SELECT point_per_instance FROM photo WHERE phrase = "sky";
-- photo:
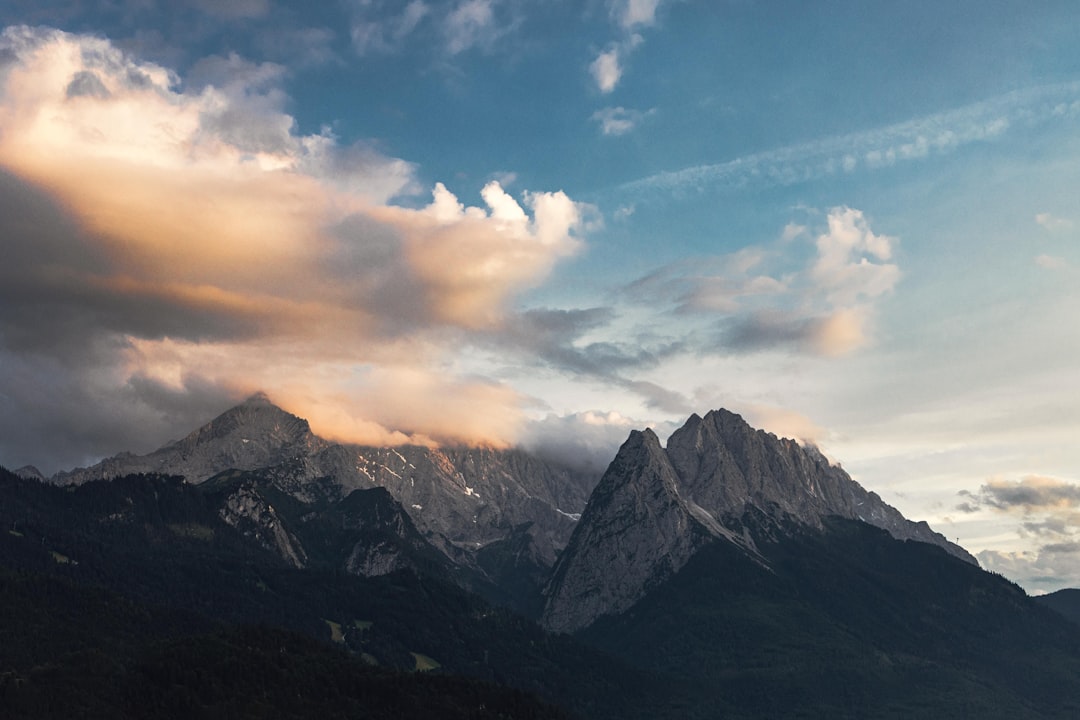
(546, 223)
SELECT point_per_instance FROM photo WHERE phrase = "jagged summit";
(252, 435)
(256, 419)
(718, 479)
(504, 510)
(29, 472)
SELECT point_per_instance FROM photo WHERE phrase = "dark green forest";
(132, 598)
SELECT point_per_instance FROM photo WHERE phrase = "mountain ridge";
(718, 480)
(464, 501)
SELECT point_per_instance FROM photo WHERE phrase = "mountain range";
(729, 574)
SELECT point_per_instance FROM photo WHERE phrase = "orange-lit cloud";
(213, 245)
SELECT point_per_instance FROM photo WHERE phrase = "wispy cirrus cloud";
(615, 121)
(908, 141)
(382, 27)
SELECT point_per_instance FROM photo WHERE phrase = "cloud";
(845, 269)
(634, 13)
(386, 27)
(606, 70)
(166, 240)
(784, 423)
(1050, 511)
(472, 23)
(1029, 494)
(1049, 568)
(1053, 223)
(615, 121)
(1052, 262)
(830, 335)
(374, 30)
(757, 301)
(908, 141)
(585, 440)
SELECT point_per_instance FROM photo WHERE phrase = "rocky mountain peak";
(254, 434)
(636, 531)
(256, 416)
(717, 478)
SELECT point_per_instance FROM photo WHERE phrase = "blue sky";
(547, 223)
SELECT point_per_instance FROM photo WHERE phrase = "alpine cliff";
(718, 480)
(729, 574)
(502, 514)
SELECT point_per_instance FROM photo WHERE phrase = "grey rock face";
(253, 435)
(654, 508)
(461, 499)
(726, 466)
(29, 472)
(249, 512)
(636, 531)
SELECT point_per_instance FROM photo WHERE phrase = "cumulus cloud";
(1050, 568)
(472, 23)
(634, 13)
(168, 240)
(1048, 514)
(608, 65)
(1029, 493)
(845, 269)
(757, 301)
(606, 69)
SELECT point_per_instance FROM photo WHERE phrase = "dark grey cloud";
(551, 337)
(87, 84)
(1065, 548)
(62, 337)
(659, 397)
(1030, 493)
(57, 414)
(1052, 526)
(58, 288)
(967, 507)
(765, 331)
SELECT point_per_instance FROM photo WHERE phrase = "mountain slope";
(252, 435)
(847, 622)
(501, 513)
(112, 568)
(1064, 602)
(654, 507)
